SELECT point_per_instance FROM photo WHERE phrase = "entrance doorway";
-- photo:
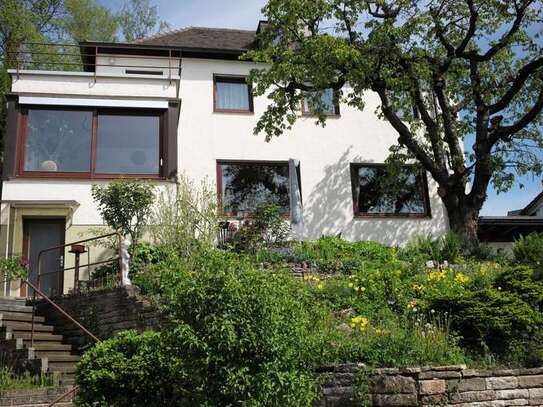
(40, 234)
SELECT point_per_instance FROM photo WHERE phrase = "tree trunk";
(463, 218)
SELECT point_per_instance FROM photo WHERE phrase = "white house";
(179, 102)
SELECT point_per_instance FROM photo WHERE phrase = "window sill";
(227, 111)
(87, 177)
(367, 216)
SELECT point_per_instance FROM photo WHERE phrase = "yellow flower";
(360, 322)
(351, 285)
(437, 276)
(461, 278)
(320, 286)
(418, 287)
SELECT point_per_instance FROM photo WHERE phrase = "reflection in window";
(127, 144)
(58, 140)
(373, 196)
(232, 94)
(320, 101)
(245, 185)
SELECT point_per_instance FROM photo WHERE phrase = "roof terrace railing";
(79, 58)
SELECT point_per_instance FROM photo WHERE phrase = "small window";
(232, 94)
(320, 101)
(244, 185)
(372, 197)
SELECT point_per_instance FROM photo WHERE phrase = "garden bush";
(529, 250)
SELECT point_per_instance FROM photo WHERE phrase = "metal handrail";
(23, 57)
(76, 281)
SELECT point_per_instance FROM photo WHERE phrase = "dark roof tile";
(201, 37)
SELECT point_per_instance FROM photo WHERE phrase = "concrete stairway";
(47, 355)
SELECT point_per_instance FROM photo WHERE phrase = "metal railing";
(60, 272)
(73, 57)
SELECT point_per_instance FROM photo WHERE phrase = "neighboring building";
(501, 231)
(178, 103)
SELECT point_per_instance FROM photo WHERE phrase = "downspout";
(7, 247)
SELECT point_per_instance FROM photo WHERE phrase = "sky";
(245, 14)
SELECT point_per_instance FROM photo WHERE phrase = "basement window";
(374, 198)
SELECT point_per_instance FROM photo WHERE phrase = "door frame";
(26, 244)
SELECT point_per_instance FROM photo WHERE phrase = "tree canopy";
(445, 72)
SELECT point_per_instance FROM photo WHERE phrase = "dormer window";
(321, 101)
(232, 94)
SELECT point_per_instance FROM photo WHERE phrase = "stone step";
(26, 326)
(62, 367)
(58, 357)
(20, 316)
(38, 336)
(12, 300)
(49, 346)
(15, 308)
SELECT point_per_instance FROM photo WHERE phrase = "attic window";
(142, 72)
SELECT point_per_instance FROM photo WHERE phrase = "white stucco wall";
(324, 154)
(204, 137)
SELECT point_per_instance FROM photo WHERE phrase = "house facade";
(179, 103)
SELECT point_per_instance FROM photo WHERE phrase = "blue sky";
(245, 14)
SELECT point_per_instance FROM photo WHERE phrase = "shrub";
(125, 206)
(267, 228)
(529, 250)
(185, 217)
(129, 370)
(446, 248)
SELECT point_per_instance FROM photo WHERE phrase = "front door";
(41, 234)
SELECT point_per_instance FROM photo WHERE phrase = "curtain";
(232, 96)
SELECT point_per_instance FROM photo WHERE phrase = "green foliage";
(447, 248)
(13, 267)
(125, 206)
(529, 250)
(185, 218)
(9, 380)
(130, 370)
(139, 19)
(266, 228)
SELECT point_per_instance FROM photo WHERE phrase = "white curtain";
(233, 96)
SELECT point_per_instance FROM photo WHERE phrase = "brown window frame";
(422, 177)
(337, 110)
(232, 79)
(91, 174)
(219, 175)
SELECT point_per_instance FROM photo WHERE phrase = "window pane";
(322, 101)
(244, 186)
(127, 144)
(58, 141)
(232, 95)
(374, 196)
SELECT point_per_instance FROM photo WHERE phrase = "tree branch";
(517, 85)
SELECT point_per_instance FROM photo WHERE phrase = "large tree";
(446, 72)
(139, 19)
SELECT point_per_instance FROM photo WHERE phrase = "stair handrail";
(73, 320)
(59, 309)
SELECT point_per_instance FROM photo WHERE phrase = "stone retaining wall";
(103, 313)
(35, 397)
(455, 386)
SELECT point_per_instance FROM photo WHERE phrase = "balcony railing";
(94, 58)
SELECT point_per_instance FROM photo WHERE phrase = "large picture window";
(90, 142)
(244, 185)
(408, 197)
(232, 94)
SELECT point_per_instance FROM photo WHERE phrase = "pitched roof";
(203, 37)
(533, 205)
